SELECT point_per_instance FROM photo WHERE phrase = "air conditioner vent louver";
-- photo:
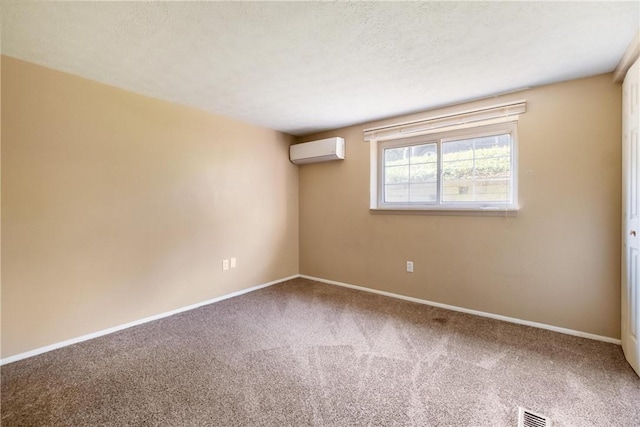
(527, 418)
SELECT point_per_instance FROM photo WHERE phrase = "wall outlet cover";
(410, 266)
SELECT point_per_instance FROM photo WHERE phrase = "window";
(464, 169)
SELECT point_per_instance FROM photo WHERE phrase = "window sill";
(445, 211)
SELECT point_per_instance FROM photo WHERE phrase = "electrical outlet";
(233, 263)
(409, 266)
(225, 264)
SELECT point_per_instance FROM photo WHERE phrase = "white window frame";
(388, 137)
(438, 139)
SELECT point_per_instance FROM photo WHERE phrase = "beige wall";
(117, 206)
(557, 262)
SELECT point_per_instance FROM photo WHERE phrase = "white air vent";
(527, 418)
(322, 150)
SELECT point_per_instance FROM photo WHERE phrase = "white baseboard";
(76, 340)
(469, 311)
(97, 334)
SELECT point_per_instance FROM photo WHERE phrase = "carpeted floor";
(304, 353)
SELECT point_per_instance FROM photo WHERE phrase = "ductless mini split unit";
(322, 150)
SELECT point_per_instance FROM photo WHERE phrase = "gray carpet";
(304, 353)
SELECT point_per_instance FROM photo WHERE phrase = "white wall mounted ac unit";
(322, 150)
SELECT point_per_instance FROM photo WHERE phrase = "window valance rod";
(490, 114)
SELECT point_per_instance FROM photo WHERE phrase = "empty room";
(320, 213)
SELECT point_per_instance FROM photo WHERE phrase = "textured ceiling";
(302, 67)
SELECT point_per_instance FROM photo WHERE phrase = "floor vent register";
(527, 418)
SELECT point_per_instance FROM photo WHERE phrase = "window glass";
(477, 169)
(411, 174)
